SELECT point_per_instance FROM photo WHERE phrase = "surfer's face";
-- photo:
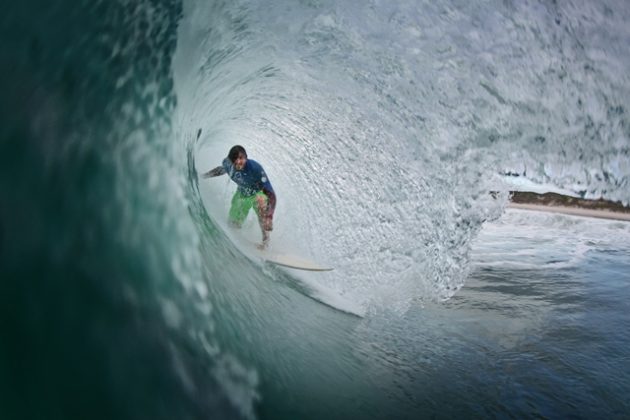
(239, 163)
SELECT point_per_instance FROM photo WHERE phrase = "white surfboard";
(278, 257)
(292, 261)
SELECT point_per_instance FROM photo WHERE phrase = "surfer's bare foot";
(265, 242)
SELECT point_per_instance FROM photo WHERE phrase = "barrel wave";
(390, 131)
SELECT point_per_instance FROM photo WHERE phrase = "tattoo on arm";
(219, 170)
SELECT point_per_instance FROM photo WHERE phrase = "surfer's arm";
(219, 170)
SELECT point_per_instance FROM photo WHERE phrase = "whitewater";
(383, 128)
(392, 133)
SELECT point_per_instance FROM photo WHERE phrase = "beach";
(558, 203)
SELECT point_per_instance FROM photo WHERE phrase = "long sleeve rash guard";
(251, 179)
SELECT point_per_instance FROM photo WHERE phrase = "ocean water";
(383, 127)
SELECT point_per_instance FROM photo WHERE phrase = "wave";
(382, 126)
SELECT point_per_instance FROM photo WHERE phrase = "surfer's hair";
(235, 151)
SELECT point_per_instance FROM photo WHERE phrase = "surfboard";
(283, 259)
(292, 261)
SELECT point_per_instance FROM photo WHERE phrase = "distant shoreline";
(558, 203)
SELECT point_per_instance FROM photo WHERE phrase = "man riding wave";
(254, 190)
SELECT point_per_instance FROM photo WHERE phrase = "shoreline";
(557, 203)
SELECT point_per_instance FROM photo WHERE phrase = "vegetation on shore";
(559, 200)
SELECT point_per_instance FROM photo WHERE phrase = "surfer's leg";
(239, 209)
(260, 208)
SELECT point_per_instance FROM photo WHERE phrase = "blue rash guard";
(251, 179)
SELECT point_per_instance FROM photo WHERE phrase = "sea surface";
(383, 127)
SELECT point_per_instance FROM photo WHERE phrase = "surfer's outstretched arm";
(219, 170)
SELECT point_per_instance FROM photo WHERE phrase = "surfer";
(254, 190)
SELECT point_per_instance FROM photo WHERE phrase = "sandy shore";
(573, 211)
(556, 203)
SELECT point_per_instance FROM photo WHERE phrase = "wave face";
(383, 126)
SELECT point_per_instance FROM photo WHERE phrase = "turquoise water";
(383, 126)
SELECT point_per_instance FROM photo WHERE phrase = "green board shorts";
(241, 205)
